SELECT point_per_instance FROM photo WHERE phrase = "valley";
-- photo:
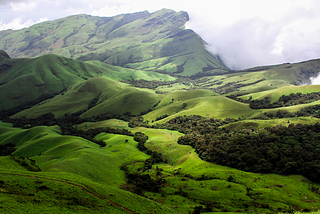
(131, 114)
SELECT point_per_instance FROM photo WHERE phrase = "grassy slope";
(23, 80)
(140, 40)
(272, 78)
(128, 100)
(112, 97)
(76, 161)
(184, 160)
(82, 162)
(76, 98)
(260, 124)
(118, 98)
(217, 106)
(275, 94)
(56, 153)
(64, 193)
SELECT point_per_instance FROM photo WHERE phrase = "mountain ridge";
(145, 41)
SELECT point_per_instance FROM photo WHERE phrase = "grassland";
(182, 188)
(69, 165)
(275, 94)
(79, 176)
(190, 181)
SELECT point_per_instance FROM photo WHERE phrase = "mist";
(286, 35)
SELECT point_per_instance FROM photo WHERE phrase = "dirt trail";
(87, 191)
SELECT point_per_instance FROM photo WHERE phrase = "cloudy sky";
(244, 33)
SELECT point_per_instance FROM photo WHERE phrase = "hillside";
(24, 79)
(131, 114)
(143, 41)
(190, 182)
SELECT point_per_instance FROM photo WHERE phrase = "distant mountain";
(145, 41)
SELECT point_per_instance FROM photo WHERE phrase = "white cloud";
(18, 23)
(266, 32)
(23, 6)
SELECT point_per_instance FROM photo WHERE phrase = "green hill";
(144, 41)
(65, 162)
(95, 96)
(275, 94)
(216, 107)
(151, 71)
(23, 80)
(71, 165)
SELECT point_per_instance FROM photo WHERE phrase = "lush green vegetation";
(281, 150)
(172, 174)
(142, 41)
(147, 121)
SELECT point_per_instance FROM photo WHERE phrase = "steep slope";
(23, 80)
(96, 96)
(156, 41)
(3, 56)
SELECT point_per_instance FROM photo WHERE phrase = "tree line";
(282, 150)
(67, 124)
(283, 101)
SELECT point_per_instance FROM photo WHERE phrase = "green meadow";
(70, 162)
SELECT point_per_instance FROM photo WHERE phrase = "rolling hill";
(24, 79)
(194, 136)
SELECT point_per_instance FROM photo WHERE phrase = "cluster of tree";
(91, 133)
(144, 182)
(141, 181)
(67, 123)
(237, 98)
(162, 117)
(7, 149)
(155, 84)
(156, 157)
(313, 111)
(285, 100)
(74, 119)
(234, 86)
(94, 102)
(186, 124)
(141, 138)
(28, 163)
(282, 150)
(28, 104)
